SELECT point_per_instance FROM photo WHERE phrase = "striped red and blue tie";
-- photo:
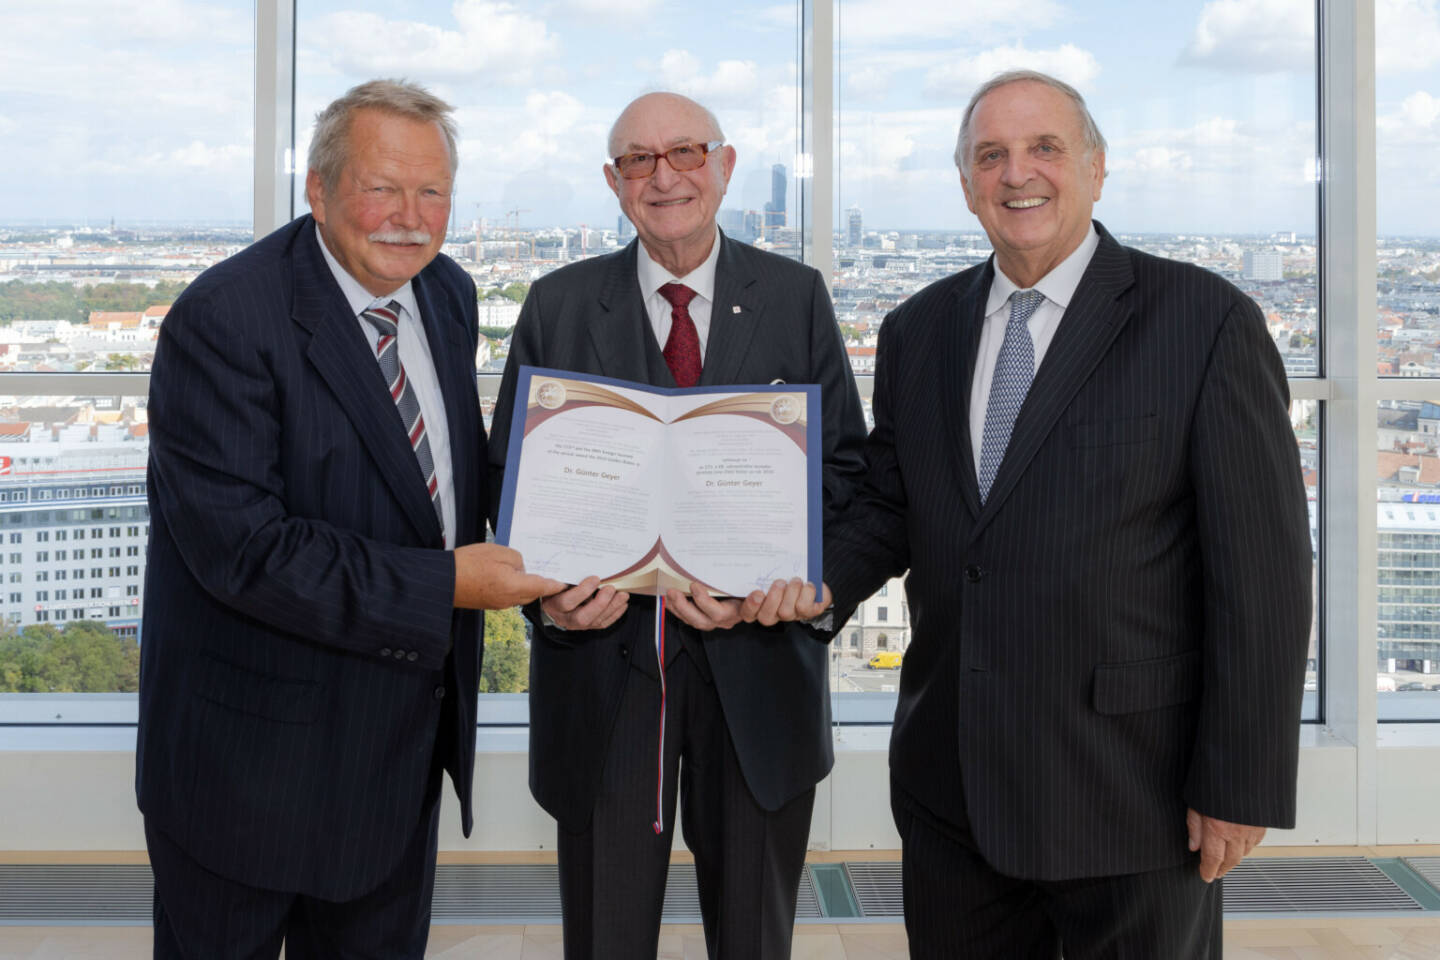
(384, 320)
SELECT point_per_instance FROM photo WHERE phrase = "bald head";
(673, 209)
(663, 107)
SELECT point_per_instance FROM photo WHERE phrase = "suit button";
(384, 651)
(439, 693)
(399, 654)
(412, 656)
(624, 651)
(974, 572)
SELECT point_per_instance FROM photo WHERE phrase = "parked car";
(1411, 685)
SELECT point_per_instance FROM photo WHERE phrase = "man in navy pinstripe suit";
(1082, 455)
(312, 636)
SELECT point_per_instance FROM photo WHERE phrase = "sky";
(144, 111)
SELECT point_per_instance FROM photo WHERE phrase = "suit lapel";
(455, 370)
(341, 356)
(622, 322)
(1089, 326)
(960, 341)
(735, 315)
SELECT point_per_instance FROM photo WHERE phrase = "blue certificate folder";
(591, 471)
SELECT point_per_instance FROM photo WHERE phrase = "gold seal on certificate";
(550, 395)
(785, 409)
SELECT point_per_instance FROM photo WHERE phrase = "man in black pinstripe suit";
(1109, 569)
(312, 636)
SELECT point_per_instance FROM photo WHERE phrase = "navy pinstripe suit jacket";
(300, 654)
(1120, 631)
(590, 317)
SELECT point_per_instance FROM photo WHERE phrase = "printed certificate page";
(651, 488)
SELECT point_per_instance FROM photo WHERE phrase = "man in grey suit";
(747, 715)
(1082, 455)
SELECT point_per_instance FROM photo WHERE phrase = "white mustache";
(422, 237)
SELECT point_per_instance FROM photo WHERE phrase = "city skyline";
(1210, 122)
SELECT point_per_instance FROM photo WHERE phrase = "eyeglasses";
(687, 156)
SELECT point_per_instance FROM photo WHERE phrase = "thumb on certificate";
(489, 576)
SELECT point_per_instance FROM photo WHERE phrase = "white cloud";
(159, 23)
(881, 21)
(1255, 36)
(867, 83)
(200, 156)
(7, 126)
(956, 81)
(731, 82)
(1407, 35)
(1162, 159)
(1416, 121)
(1421, 109)
(612, 9)
(1217, 150)
(494, 39)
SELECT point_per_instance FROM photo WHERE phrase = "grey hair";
(330, 145)
(704, 111)
(1089, 130)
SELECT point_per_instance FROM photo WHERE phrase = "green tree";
(507, 653)
(121, 361)
(85, 657)
(515, 291)
(495, 333)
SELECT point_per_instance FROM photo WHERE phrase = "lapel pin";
(735, 308)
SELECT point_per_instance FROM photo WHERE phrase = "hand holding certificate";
(653, 488)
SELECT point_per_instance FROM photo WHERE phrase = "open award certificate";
(651, 488)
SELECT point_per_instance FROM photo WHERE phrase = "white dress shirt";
(1058, 286)
(701, 280)
(414, 352)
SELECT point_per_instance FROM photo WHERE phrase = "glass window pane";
(127, 132)
(535, 97)
(72, 487)
(1407, 630)
(1210, 124)
(1407, 125)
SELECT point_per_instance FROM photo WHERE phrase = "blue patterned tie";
(1014, 369)
(384, 320)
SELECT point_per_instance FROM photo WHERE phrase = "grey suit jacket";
(1120, 631)
(589, 317)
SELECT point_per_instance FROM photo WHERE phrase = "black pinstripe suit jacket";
(590, 317)
(300, 652)
(1120, 631)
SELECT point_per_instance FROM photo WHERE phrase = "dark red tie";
(682, 347)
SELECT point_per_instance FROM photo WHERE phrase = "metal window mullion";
(274, 113)
(819, 81)
(1346, 38)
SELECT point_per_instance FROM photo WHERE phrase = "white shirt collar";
(1058, 285)
(701, 279)
(356, 295)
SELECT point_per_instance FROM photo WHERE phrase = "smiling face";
(384, 220)
(673, 211)
(1032, 180)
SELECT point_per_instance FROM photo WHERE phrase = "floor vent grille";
(496, 893)
(1313, 885)
(529, 893)
(75, 893)
(1427, 867)
(877, 888)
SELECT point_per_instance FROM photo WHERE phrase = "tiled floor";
(1245, 939)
